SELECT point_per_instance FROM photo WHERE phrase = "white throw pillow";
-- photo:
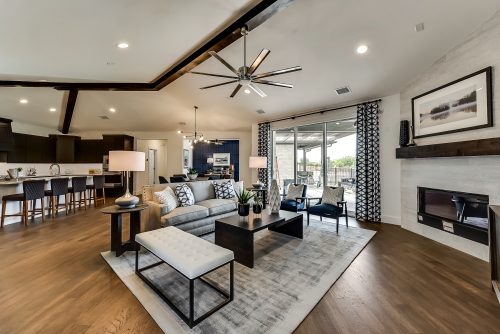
(184, 194)
(224, 190)
(332, 196)
(167, 197)
(238, 187)
(294, 191)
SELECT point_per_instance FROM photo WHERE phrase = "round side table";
(116, 212)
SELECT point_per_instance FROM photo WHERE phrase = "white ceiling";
(319, 35)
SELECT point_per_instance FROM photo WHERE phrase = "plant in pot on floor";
(192, 174)
(244, 198)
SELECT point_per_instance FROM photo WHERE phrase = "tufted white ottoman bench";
(192, 257)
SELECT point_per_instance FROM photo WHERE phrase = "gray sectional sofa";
(197, 219)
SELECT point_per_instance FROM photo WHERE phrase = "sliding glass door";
(317, 155)
(283, 153)
(310, 158)
(341, 158)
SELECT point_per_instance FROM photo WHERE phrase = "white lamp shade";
(210, 160)
(257, 162)
(123, 161)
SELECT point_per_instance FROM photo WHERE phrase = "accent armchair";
(296, 204)
(328, 210)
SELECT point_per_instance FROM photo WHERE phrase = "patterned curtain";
(367, 163)
(264, 150)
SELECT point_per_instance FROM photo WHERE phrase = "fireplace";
(463, 214)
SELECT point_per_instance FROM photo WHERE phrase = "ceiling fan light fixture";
(247, 91)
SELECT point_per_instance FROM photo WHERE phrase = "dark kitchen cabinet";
(89, 151)
(117, 143)
(31, 149)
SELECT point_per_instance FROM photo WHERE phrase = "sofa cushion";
(184, 194)
(218, 206)
(185, 214)
(166, 197)
(224, 190)
(202, 190)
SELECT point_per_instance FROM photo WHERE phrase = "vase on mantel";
(274, 197)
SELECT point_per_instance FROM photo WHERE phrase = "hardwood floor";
(53, 280)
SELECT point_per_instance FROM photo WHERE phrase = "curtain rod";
(319, 112)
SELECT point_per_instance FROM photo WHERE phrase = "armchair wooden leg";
(307, 218)
(337, 224)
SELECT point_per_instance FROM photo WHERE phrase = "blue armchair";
(328, 210)
(297, 204)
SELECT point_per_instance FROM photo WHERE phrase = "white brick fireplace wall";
(471, 174)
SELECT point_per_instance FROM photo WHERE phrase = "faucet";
(58, 169)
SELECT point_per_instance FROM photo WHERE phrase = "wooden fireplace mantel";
(478, 147)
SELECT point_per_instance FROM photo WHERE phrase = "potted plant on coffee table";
(257, 205)
(244, 198)
(192, 174)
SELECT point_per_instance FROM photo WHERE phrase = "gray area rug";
(289, 278)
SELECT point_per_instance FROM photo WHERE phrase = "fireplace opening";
(463, 214)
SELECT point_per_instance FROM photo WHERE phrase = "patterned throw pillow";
(167, 197)
(294, 191)
(184, 194)
(224, 190)
(332, 196)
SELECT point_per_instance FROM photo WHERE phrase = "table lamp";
(127, 161)
(256, 163)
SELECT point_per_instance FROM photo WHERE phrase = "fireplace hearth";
(459, 213)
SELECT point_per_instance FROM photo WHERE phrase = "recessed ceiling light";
(247, 91)
(112, 110)
(362, 49)
(179, 131)
(52, 109)
(23, 101)
(122, 45)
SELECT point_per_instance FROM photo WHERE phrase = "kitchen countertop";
(36, 177)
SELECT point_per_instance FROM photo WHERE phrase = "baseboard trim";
(393, 220)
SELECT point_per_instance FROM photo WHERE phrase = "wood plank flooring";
(53, 280)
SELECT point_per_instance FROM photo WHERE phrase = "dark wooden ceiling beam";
(68, 114)
(127, 86)
(252, 19)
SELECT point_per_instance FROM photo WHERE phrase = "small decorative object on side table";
(244, 198)
(116, 226)
(127, 161)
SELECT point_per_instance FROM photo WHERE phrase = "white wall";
(468, 174)
(390, 167)
(143, 145)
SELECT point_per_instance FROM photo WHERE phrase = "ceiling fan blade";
(278, 72)
(257, 90)
(273, 83)
(225, 63)
(260, 58)
(214, 75)
(221, 84)
(235, 91)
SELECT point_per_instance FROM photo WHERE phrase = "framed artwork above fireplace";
(464, 104)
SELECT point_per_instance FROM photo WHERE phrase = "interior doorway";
(151, 166)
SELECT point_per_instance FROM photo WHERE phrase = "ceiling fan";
(245, 76)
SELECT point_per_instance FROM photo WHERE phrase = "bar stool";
(32, 190)
(58, 187)
(78, 186)
(98, 185)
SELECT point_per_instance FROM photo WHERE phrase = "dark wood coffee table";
(236, 233)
